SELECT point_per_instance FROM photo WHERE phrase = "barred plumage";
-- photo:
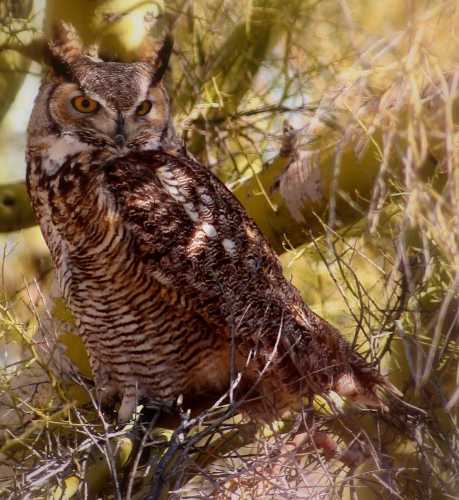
(173, 287)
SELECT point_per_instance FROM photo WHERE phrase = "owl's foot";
(106, 400)
(151, 409)
(128, 407)
(153, 405)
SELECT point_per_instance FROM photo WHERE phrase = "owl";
(175, 292)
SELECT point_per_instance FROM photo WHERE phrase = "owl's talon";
(128, 409)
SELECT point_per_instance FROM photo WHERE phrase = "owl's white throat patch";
(58, 149)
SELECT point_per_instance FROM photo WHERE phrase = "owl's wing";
(195, 238)
(192, 233)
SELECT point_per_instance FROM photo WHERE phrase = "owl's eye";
(84, 104)
(143, 108)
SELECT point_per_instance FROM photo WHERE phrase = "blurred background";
(335, 123)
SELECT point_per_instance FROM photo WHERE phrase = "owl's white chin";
(151, 144)
(135, 146)
(59, 149)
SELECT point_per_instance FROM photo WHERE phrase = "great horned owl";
(174, 289)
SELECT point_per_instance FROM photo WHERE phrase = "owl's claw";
(128, 408)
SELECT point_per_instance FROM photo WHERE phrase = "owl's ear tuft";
(65, 48)
(157, 57)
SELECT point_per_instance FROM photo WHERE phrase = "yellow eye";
(84, 104)
(143, 108)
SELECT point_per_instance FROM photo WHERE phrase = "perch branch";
(15, 209)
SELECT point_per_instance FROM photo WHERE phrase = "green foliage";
(15, 209)
(13, 65)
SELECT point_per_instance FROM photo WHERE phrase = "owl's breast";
(138, 332)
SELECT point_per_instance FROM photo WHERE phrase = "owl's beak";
(120, 136)
(120, 140)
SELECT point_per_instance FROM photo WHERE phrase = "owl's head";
(86, 102)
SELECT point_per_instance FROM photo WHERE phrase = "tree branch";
(15, 209)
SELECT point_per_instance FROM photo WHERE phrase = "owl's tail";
(326, 361)
(366, 386)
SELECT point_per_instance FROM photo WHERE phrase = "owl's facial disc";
(112, 105)
(87, 104)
